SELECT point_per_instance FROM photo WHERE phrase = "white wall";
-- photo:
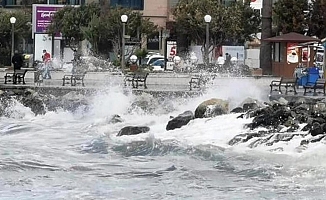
(252, 58)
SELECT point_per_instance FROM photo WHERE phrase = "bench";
(289, 84)
(139, 79)
(78, 79)
(73, 79)
(16, 76)
(317, 87)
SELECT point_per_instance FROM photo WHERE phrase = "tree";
(103, 31)
(233, 24)
(289, 16)
(265, 55)
(108, 30)
(317, 19)
(70, 21)
(22, 30)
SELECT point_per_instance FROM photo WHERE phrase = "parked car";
(152, 58)
(158, 65)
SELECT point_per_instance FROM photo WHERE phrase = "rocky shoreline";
(40, 103)
(280, 119)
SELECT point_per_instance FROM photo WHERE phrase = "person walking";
(18, 61)
(46, 62)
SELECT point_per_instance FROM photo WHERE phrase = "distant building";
(28, 3)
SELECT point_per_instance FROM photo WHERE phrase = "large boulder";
(211, 108)
(180, 120)
(133, 130)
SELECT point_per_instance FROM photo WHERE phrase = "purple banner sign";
(44, 16)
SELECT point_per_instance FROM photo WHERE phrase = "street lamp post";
(124, 19)
(12, 21)
(207, 19)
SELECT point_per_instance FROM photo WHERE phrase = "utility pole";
(266, 32)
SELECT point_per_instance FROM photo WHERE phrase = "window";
(10, 2)
(228, 2)
(132, 4)
(64, 2)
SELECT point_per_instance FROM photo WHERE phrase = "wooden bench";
(317, 87)
(289, 84)
(78, 79)
(73, 79)
(139, 79)
(18, 76)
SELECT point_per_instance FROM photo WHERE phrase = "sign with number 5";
(171, 49)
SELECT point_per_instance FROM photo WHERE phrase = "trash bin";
(313, 74)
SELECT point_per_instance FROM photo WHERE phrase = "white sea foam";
(43, 156)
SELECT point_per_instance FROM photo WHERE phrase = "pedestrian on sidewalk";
(46, 64)
(18, 61)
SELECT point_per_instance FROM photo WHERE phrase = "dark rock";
(249, 106)
(180, 120)
(133, 130)
(237, 110)
(316, 129)
(246, 137)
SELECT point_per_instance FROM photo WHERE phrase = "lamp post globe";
(12, 20)
(176, 60)
(133, 58)
(208, 18)
(124, 18)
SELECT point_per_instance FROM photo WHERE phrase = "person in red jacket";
(46, 60)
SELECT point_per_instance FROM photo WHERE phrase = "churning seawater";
(64, 155)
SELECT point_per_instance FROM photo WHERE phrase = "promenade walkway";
(176, 83)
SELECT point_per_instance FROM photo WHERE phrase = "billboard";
(42, 17)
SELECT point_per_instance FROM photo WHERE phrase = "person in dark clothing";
(227, 60)
(17, 60)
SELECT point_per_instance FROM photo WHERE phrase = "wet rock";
(211, 108)
(249, 106)
(242, 138)
(316, 129)
(133, 130)
(180, 120)
(237, 110)
(35, 104)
